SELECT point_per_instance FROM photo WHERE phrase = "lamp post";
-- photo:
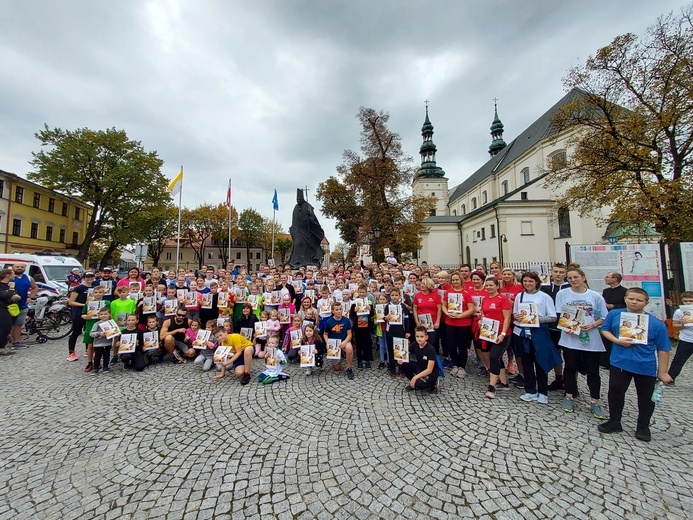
(373, 236)
(502, 239)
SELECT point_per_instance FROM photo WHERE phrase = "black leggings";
(591, 361)
(363, 343)
(410, 372)
(534, 382)
(497, 351)
(6, 321)
(101, 353)
(76, 332)
(619, 381)
(458, 341)
(683, 352)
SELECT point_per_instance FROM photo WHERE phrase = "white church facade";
(502, 211)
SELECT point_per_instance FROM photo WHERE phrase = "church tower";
(430, 178)
(496, 133)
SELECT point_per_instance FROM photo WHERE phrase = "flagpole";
(180, 202)
(229, 204)
(274, 226)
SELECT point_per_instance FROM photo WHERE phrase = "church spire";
(496, 132)
(428, 152)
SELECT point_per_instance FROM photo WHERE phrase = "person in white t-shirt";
(586, 345)
(683, 321)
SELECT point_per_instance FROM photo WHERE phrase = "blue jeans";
(382, 343)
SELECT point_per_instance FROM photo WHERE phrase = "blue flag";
(275, 202)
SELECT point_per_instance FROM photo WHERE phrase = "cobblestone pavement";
(172, 443)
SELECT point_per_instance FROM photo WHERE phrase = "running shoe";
(245, 379)
(482, 372)
(502, 386)
(491, 392)
(461, 372)
(349, 374)
(529, 397)
(568, 404)
(610, 427)
(543, 399)
(72, 357)
(597, 411)
(89, 367)
(556, 384)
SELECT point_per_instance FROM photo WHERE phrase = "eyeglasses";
(181, 315)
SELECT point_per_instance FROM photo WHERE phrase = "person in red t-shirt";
(427, 302)
(458, 309)
(497, 307)
(510, 289)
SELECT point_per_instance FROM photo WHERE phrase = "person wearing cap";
(26, 288)
(77, 301)
(74, 277)
(109, 283)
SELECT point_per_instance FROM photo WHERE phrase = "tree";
(373, 190)
(282, 247)
(160, 232)
(197, 226)
(633, 131)
(341, 252)
(104, 169)
(270, 225)
(250, 225)
(220, 225)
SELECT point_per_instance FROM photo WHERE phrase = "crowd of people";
(420, 321)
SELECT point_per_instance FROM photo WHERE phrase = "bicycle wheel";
(56, 326)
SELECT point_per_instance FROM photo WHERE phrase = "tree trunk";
(107, 255)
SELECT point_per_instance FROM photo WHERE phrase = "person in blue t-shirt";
(631, 360)
(339, 327)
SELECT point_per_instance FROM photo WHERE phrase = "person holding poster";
(683, 321)
(631, 361)
(499, 308)
(586, 345)
(339, 327)
(423, 371)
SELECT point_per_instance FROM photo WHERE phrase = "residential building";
(503, 211)
(36, 219)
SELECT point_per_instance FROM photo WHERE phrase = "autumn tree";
(282, 246)
(103, 168)
(633, 131)
(270, 226)
(160, 232)
(372, 189)
(197, 226)
(250, 229)
(220, 229)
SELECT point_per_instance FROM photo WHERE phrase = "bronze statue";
(306, 234)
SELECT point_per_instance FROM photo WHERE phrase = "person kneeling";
(274, 360)
(422, 372)
(241, 354)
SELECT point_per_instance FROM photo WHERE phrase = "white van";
(49, 270)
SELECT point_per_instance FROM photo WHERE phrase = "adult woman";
(534, 342)
(586, 345)
(458, 309)
(497, 307)
(495, 269)
(510, 290)
(427, 302)
(134, 276)
(477, 293)
(7, 296)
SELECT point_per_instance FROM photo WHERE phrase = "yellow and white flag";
(175, 185)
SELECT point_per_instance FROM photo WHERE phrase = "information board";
(639, 264)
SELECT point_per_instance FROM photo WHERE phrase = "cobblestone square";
(172, 443)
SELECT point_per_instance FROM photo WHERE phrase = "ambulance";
(49, 270)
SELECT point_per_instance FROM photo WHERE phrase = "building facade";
(503, 211)
(35, 219)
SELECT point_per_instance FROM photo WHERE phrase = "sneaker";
(381, 365)
(672, 384)
(482, 372)
(6, 352)
(568, 404)
(359, 364)
(368, 364)
(245, 379)
(529, 397)
(349, 374)
(95, 372)
(114, 360)
(408, 388)
(19, 346)
(642, 433)
(392, 375)
(502, 386)
(178, 357)
(72, 357)
(89, 367)
(511, 368)
(556, 384)
(106, 369)
(597, 411)
(309, 372)
(519, 381)
(454, 370)
(461, 372)
(491, 392)
(543, 399)
(610, 427)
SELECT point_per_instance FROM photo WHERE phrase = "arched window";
(464, 209)
(454, 212)
(525, 176)
(557, 160)
(504, 187)
(473, 202)
(484, 197)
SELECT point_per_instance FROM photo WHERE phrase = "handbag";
(13, 309)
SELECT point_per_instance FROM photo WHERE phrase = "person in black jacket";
(361, 315)
(7, 297)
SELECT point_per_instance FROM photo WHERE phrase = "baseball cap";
(107, 270)
(89, 273)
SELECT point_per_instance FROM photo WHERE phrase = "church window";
(473, 202)
(525, 176)
(504, 187)
(563, 222)
(484, 197)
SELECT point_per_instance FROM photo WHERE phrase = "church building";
(502, 211)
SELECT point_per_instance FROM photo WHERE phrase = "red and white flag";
(228, 195)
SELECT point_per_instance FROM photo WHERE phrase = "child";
(362, 326)
(394, 330)
(324, 307)
(306, 306)
(273, 325)
(193, 305)
(260, 342)
(153, 355)
(142, 316)
(633, 361)
(286, 304)
(311, 337)
(134, 359)
(101, 345)
(422, 371)
(381, 334)
(273, 364)
(255, 299)
(288, 346)
(205, 357)
(120, 308)
(267, 297)
(683, 322)
(339, 327)
(211, 312)
(89, 316)
(241, 354)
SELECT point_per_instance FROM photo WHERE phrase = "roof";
(443, 219)
(534, 134)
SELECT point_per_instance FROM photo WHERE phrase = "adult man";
(173, 334)
(209, 275)
(615, 298)
(78, 298)
(108, 282)
(466, 273)
(26, 288)
(556, 284)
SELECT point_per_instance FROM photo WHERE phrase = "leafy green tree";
(373, 190)
(250, 229)
(102, 167)
(282, 246)
(197, 226)
(159, 232)
(220, 226)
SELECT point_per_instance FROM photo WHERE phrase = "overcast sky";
(266, 92)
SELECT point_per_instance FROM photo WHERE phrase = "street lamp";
(502, 239)
(373, 236)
